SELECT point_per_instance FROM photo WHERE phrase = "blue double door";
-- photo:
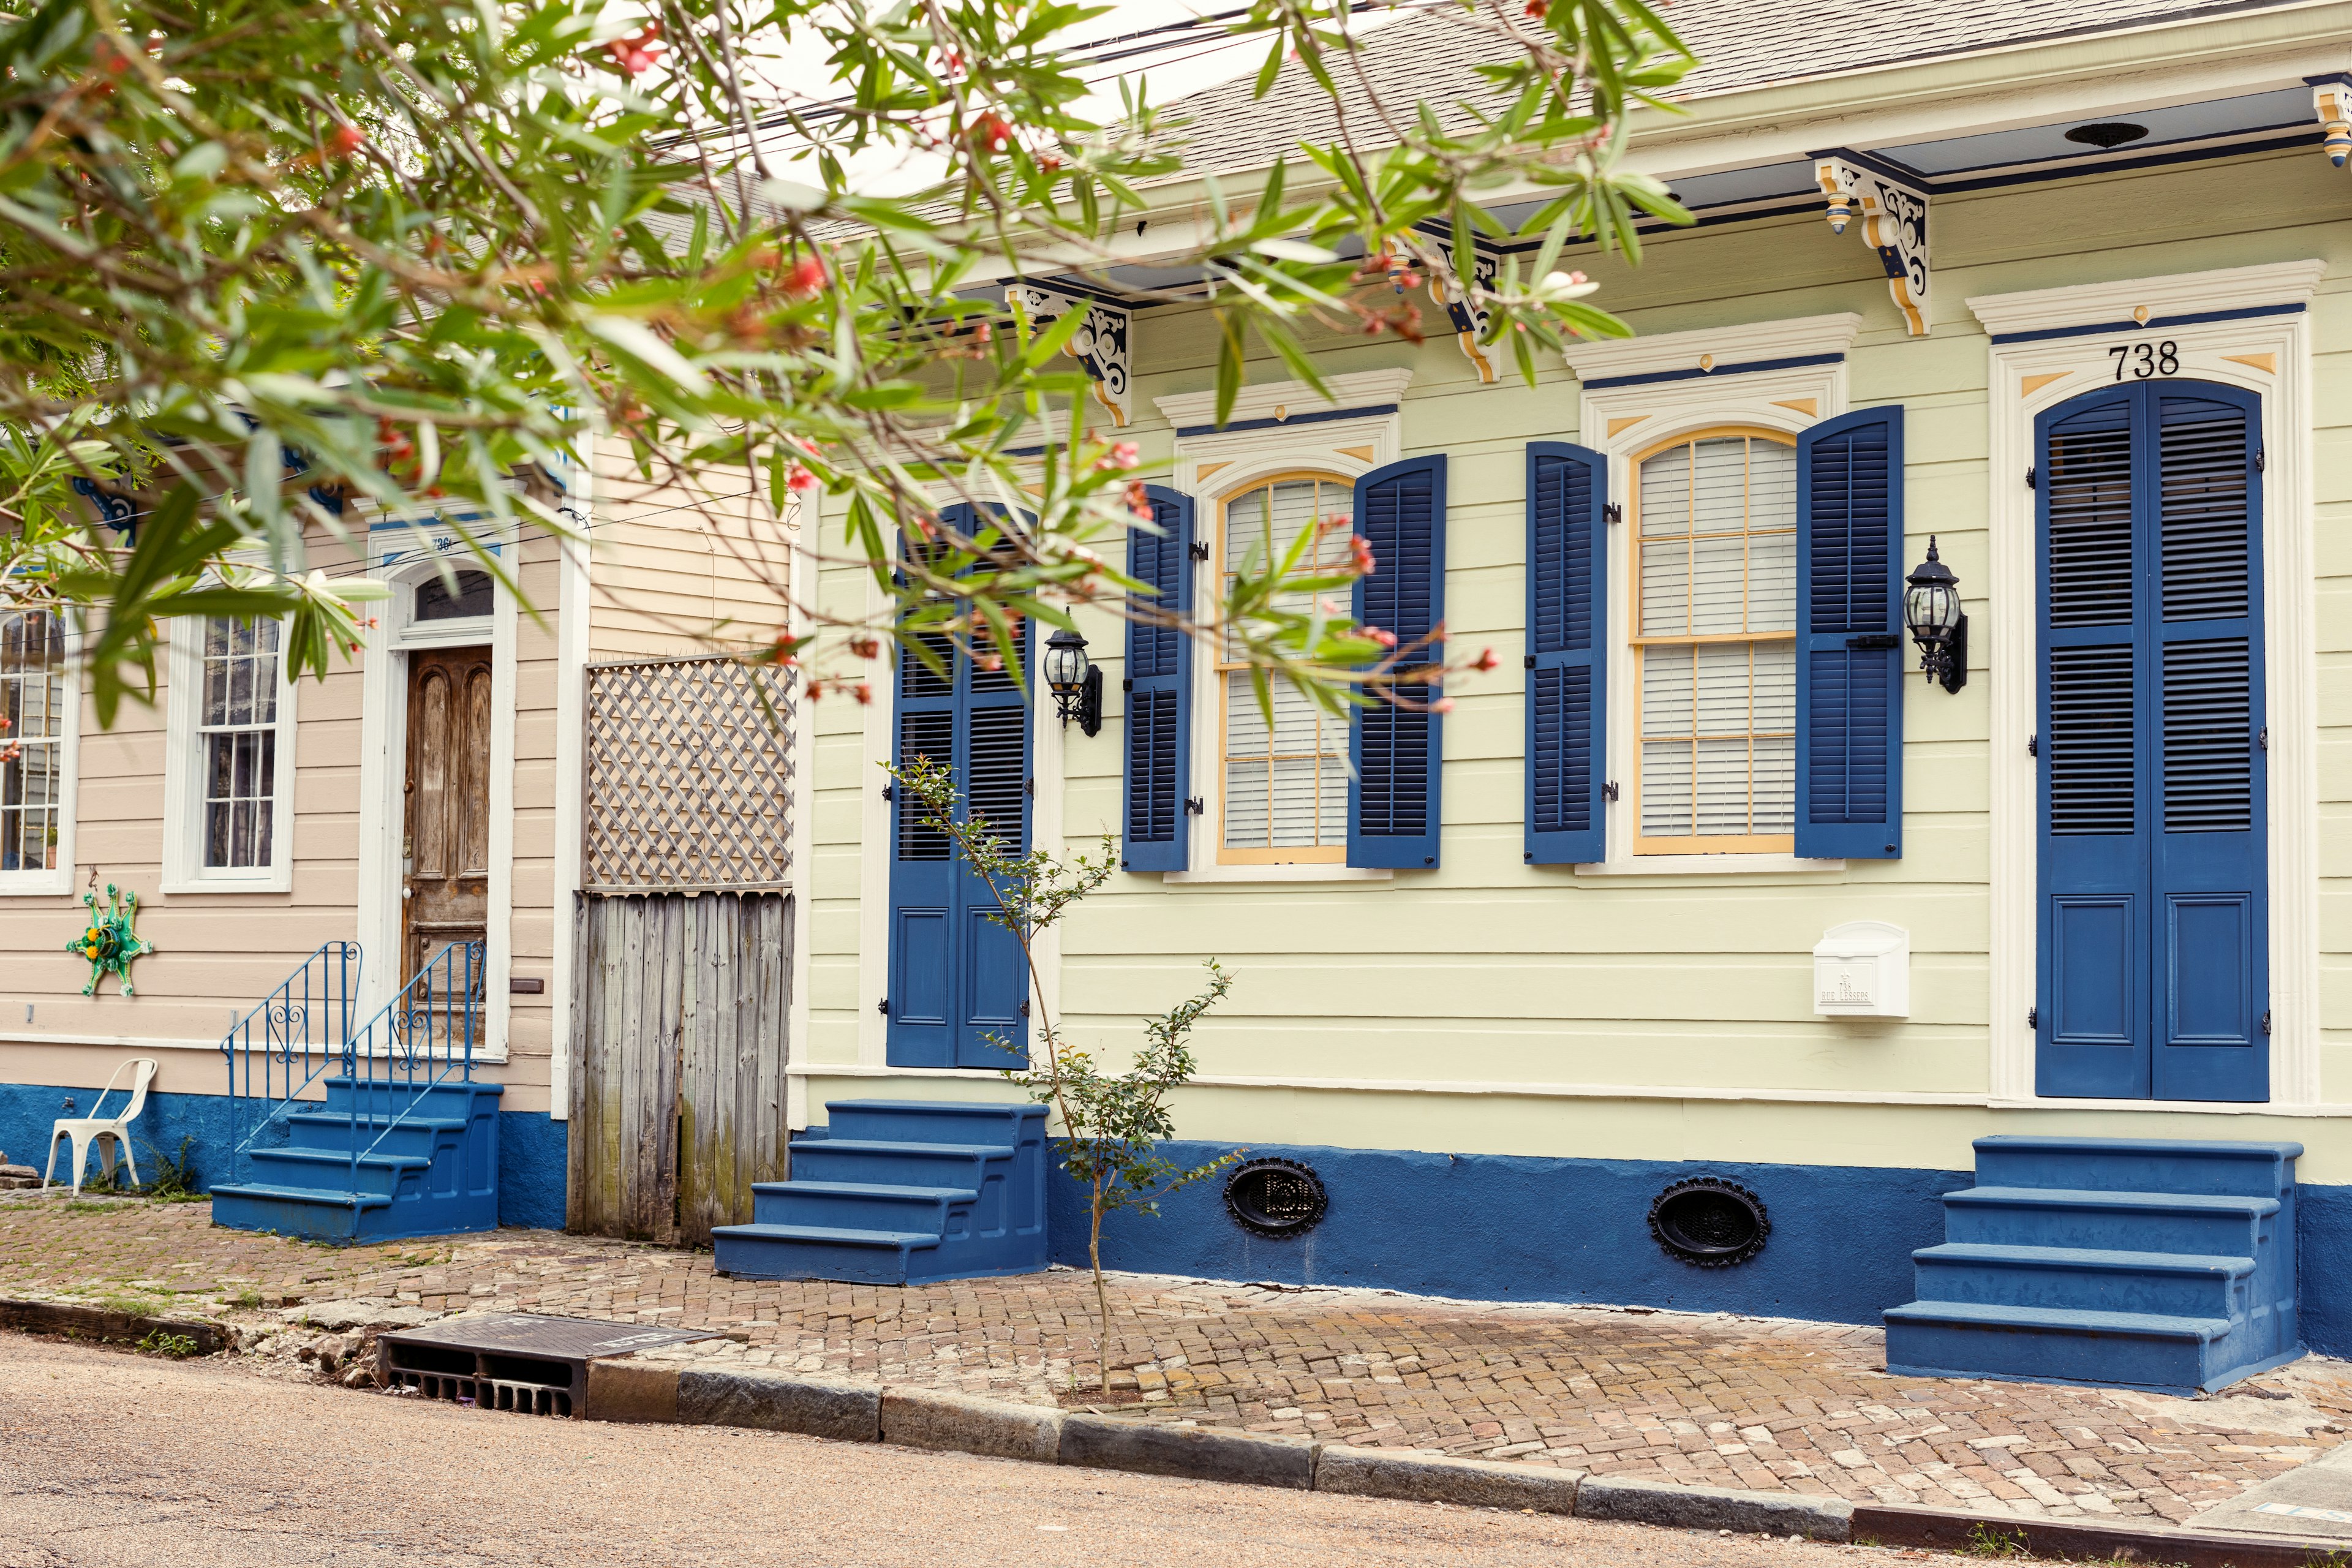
(2154, 976)
(957, 978)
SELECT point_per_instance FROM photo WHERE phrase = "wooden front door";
(444, 889)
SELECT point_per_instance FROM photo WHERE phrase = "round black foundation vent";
(1710, 1222)
(1276, 1197)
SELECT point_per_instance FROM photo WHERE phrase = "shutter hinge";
(2266, 1020)
(889, 792)
(1029, 788)
(2261, 461)
(1613, 511)
(1531, 661)
(2262, 739)
(883, 1006)
(1609, 790)
(1024, 1007)
(2033, 1017)
(1127, 683)
(1196, 805)
(2032, 745)
(1874, 639)
(1199, 550)
(2029, 479)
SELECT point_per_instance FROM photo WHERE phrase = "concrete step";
(929, 1122)
(858, 1205)
(2163, 1284)
(2182, 1165)
(2202, 1223)
(2136, 1350)
(816, 1252)
(892, 1162)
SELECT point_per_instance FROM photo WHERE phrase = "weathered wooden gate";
(682, 948)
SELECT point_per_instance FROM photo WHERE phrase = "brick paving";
(1769, 1405)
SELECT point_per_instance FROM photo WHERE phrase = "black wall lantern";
(1076, 683)
(1932, 610)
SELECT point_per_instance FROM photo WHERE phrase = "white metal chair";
(85, 1131)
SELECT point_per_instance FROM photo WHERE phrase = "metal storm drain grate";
(512, 1360)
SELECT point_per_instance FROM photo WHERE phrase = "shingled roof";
(1741, 44)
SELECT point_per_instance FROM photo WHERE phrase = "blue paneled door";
(957, 978)
(2154, 976)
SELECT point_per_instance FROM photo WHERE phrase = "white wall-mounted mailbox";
(1863, 970)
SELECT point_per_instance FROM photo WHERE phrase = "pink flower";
(635, 55)
(1126, 455)
(799, 478)
(808, 276)
(1485, 659)
(1442, 705)
(1385, 639)
(1363, 555)
(347, 139)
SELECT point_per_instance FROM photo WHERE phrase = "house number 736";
(2145, 360)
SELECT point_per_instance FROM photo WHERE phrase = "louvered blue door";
(2153, 941)
(956, 977)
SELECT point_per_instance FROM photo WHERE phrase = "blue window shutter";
(1392, 800)
(1849, 596)
(1160, 662)
(1568, 612)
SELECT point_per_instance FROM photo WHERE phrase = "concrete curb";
(1954, 1529)
(849, 1410)
(1195, 1453)
(959, 1423)
(1468, 1483)
(1709, 1508)
(103, 1323)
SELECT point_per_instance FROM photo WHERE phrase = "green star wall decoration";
(110, 943)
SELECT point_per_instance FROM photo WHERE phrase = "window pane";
(1771, 582)
(1245, 805)
(1719, 585)
(1776, 784)
(1665, 493)
(1666, 788)
(1667, 690)
(1665, 587)
(1719, 486)
(1280, 789)
(1723, 691)
(1723, 787)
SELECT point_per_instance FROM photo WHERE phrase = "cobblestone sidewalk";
(1754, 1403)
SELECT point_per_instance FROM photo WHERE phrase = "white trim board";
(184, 871)
(1708, 349)
(573, 602)
(1509, 1089)
(2064, 367)
(1275, 399)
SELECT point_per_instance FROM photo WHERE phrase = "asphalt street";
(109, 1458)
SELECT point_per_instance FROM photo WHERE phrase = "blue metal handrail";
(300, 1031)
(423, 1037)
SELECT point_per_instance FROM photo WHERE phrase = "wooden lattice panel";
(690, 771)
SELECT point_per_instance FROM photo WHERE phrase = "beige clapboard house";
(433, 789)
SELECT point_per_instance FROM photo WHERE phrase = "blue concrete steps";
(432, 1169)
(901, 1192)
(2151, 1263)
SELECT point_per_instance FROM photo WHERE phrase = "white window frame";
(1681, 385)
(2267, 351)
(184, 870)
(48, 881)
(1216, 464)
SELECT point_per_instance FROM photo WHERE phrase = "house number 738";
(2145, 360)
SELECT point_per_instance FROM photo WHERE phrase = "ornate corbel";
(1102, 346)
(2332, 101)
(1470, 320)
(1894, 223)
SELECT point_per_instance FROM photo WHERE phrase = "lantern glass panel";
(1931, 608)
(1066, 665)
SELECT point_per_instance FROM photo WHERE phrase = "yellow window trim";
(1711, 843)
(1304, 854)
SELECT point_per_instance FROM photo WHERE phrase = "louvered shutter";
(1392, 800)
(1850, 660)
(1567, 667)
(1158, 683)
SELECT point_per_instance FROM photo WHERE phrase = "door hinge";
(1200, 550)
(2266, 1020)
(1196, 805)
(1024, 1007)
(2262, 739)
(1613, 511)
(883, 1006)
(2032, 745)
(889, 792)
(2033, 1017)
(2029, 479)
(1609, 790)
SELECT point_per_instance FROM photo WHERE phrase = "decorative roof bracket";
(1894, 223)
(2331, 99)
(1103, 346)
(1469, 320)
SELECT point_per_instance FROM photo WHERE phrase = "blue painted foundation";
(531, 1145)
